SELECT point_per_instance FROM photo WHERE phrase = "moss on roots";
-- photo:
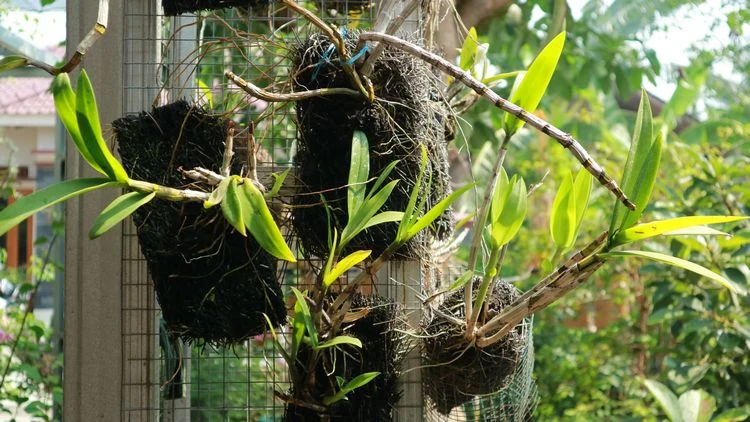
(457, 371)
(213, 284)
(407, 113)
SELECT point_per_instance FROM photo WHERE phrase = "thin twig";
(563, 138)
(338, 40)
(89, 40)
(391, 29)
(271, 97)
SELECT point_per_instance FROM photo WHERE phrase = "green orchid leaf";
(502, 188)
(681, 263)
(368, 210)
(260, 223)
(344, 265)
(511, 217)
(461, 281)
(666, 398)
(697, 231)
(277, 343)
(655, 228)
(644, 182)
(535, 82)
(307, 316)
(411, 207)
(640, 146)
(298, 329)
(501, 76)
(382, 178)
(218, 194)
(118, 210)
(26, 206)
(12, 62)
(231, 206)
(87, 116)
(340, 341)
(563, 216)
(65, 104)
(333, 249)
(359, 171)
(384, 217)
(347, 388)
(278, 182)
(469, 50)
(206, 94)
(435, 212)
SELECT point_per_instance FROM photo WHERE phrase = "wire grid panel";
(171, 58)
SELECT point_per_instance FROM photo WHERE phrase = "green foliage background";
(632, 320)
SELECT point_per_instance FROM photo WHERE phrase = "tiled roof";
(21, 96)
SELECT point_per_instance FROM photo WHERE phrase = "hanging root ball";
(177, 7)
(383, 350)
(213, 284)
(407, 113)
(457, 371)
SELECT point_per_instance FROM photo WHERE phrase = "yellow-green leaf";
(347, 388)
(384, 217)
(312, 332)
(371, 206)
(640, 146)
(341, 340)
(65, 104)
(344, 265)
(461, 281)
(12, 62)
(433, 213)
(25, 206)
(502, 188)
(644, 183)
(87, 116)
(261, 224)
(359, 171)
(681, 263)
(411, 210)
(278, 182)
(218, 194)
(469, 51)
(231, 206)
(562, 222)
(118, 210)
(655, 228)
(511, 217)
(535, 82)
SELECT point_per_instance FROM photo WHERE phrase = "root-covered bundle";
(383, 350)
(457, 371)
(213, 284)
(406, 114)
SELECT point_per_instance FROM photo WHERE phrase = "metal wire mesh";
(514, 403)
(184, 57)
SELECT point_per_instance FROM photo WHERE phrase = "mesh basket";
(514, 403)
